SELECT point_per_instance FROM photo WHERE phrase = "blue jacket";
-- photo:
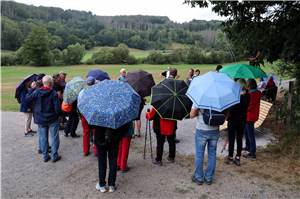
(25, 106)
(46, 105)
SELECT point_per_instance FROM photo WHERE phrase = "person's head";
(90, 81)
(173, 72)
(47, 81)
(251, 83)
(62, 75)
(164, 74)
(197, 72)
(123, 72)
(219, 67)
(242, 83)
(27, 83)
(55, 78)
(191, 72)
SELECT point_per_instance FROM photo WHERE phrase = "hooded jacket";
(46, 105)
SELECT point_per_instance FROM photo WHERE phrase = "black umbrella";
(21, 85)
(169, 99)
(141, 81)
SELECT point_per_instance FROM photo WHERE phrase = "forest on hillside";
(65, 28)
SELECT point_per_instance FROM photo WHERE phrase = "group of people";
(43, 100)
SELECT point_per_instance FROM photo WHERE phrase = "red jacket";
(165, 127)
(254, 104)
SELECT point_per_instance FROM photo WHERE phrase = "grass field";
(10, 76)
(132, 51)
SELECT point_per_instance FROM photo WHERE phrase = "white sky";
(174, 9)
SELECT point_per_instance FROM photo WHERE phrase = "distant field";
(132, 51)
(13, 74)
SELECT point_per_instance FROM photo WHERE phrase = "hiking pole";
(145, 140)
(149, 124)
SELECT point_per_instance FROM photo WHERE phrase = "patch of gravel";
(25, 175)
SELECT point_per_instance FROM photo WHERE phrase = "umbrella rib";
(182, 105)
(167, 88)
(164, 103)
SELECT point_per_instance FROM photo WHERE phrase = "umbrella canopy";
(169, 99)
(109, 104)
(243, 71)
(214, 91)
(21, 85)
(141, 81)
(73, 88)
(98, 74)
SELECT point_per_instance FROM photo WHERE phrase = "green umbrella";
(73, 88)
(243, 71)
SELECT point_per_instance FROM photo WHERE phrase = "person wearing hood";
(46, 110)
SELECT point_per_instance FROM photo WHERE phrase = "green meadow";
(11, 75)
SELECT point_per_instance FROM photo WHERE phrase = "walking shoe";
(111, 189)
(66, 135)
(237, 161)
(125, 170)
(159, 163)
(177, 141)
(39, 151)
(75, 136)
(249, 156)
(47, 159)
(57, 159)
(228, 160)
(28, 134)
(170, 160)
(101, 189)
(198, 182)
(208, 182)
(31, 131)
(245, 149)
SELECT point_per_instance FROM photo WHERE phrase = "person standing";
(163, 129)
(205, 135)
(122, 76)
(190, 76)
(236, 125)
(124, 148)
(26, 108)
(252, 117)
(138, 123)
(72, 123)
(107, 142)
(46, 112)
(87, 131)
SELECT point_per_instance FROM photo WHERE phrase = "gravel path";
(25, 175)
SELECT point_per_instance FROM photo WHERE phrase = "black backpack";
(213, 118)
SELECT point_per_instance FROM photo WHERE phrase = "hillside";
(70, 26)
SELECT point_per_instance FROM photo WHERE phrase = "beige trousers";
(28, 118)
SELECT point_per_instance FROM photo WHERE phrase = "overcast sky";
(174, 9)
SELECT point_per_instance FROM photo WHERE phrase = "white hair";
(47, 80)
(122, 70)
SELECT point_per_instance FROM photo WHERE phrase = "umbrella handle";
(145, 140)
(149, 125)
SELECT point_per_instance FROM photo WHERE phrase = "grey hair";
(47, 80)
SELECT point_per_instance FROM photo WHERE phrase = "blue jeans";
(251, 137)
(201, 139)
(44, 144)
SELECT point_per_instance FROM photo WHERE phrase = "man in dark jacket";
(46, 111)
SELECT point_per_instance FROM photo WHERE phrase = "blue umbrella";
(20, 86)
(214, 91)
(72, 89)
(109, 104)
(98, 74)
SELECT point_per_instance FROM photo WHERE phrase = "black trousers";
(104, 151)
(160, 146)
(72, 123)
(235, 132)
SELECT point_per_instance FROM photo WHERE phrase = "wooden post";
(290, 99)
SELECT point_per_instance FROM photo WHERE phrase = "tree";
(36, 48)
(73, 54)
(271, 27)
(11, 35)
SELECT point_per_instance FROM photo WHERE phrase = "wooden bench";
(264, 110)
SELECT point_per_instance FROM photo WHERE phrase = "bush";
(73, 54)
(8, 59)
(158, 58)
(103, 56)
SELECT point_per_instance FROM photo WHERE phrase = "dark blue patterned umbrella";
(98, 74)
(109, 104)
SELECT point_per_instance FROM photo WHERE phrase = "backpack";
(213, 118)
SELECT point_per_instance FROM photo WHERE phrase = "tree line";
(67, 27)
